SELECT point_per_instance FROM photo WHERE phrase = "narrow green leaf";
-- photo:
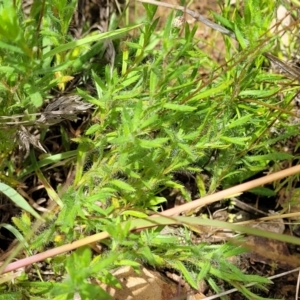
(100, 85)
(36, 99)
(204, 270)
(179, 107)
(94, 128)
(89, 39)
(18, 236)
(48, 160)
(270, 156)
(178, 265)
(157, 200)
(18, 199)
(126, 262)
(156, 143)
(248, 13)
(128, 94)
(122, 185)
(212, 91)
(260, 93)
(134, 213)
(262, 191)
(130, 80)
(153, 83)
(240, 37)
(148, 122)
(11, 48)
(133, 45)
(225, 22)
(240, 121)
(238, 141)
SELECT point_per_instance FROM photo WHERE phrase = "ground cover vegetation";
(107, 136)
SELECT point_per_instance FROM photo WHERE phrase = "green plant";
(156, 116)
(39, 57)
(80, 267)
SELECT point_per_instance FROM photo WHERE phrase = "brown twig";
(171, 212)
(195, 15)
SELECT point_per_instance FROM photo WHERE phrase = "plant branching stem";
(231, 192)
(195, 15)
(171, 212)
